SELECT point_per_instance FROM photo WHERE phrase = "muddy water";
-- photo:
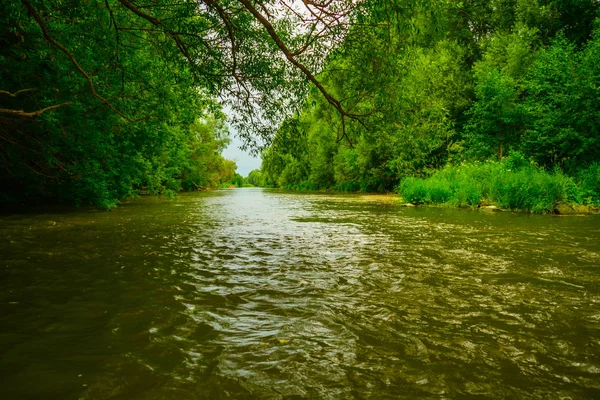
(261, 294)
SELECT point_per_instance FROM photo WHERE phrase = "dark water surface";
(262, 294)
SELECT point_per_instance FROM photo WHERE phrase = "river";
(262, 294)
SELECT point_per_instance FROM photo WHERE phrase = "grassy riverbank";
(513, 184)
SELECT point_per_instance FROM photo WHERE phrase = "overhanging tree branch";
(288, 54)
(18, 92)
(49, 38)
(156, 22)
(32, 114)
(292, 59)
(230, 33)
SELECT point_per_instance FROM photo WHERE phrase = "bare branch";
(32, 114)
(15, 94)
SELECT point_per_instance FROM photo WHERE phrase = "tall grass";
(589, 183)
(512, 183)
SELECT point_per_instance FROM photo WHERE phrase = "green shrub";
(414, 190)
(513, 183)
(589, 182)
(438, 192)
(570, 189)
(531, 189)
(467, 195)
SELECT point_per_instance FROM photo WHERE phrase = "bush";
(438, 192)
(467, 195)
(570, 189)
(589, 182)
(414, 190)
(514, 183)
(529, 189)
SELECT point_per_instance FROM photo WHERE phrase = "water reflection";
(263, 294)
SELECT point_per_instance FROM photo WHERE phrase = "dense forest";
(105, 99)
(96, 108)
(489, 100)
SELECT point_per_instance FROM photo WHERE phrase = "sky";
(245, 162)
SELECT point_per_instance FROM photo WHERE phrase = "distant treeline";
(432, 84)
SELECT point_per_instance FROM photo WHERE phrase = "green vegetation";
(446, 92)
(105, 99)
(115, 111)
(254, 178)
(512, 184)
(236, 181)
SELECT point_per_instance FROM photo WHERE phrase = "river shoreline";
(564, 209)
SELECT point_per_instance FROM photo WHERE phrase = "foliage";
(495, 119)
(255, 178)
(562, 105)
(406, 96)
(203, 165)
(589, 182)
(119, 96)
(511, 184)
(131, 118)
(443, 84)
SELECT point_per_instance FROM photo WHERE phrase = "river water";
(252, 293)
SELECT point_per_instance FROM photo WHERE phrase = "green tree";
(562, 104)
(255, 178)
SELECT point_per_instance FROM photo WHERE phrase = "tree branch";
(49, 38)
(118, 39)
(32, 114)
(230, 33)
(156, 22)
(15, 94)
(292, 59)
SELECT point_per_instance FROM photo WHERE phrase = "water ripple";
(263, 294)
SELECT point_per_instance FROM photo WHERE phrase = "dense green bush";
(465, 195)
(513, 184)
(415, 190)
(589, 184)
(528, 189)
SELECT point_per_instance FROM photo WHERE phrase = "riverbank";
(509, 185)
(484, 205)
(391, 198)
(561, 209)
